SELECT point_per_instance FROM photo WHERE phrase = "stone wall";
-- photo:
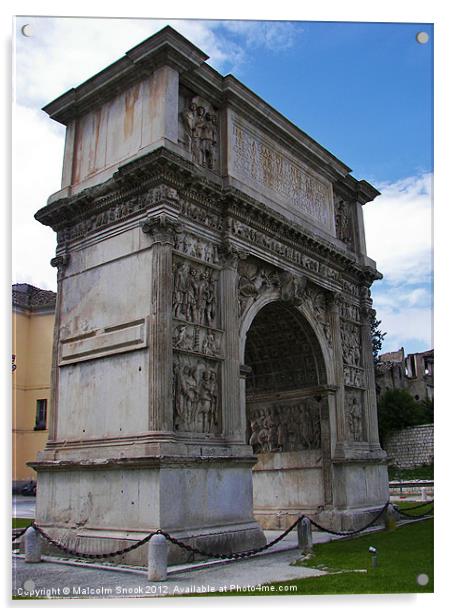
(410, 447)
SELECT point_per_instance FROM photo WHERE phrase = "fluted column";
(161, 230)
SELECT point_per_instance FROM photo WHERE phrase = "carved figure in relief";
(194, 294)
(195, 396)
(188, 121)
(354, 416)
(209, 346)
(292, 288)
(185, 396)
(209, 140)
(181, 291)
(285, 427)
(181, 339)
(200, 130)
(343, 222)
(254, 438)
(351, 344)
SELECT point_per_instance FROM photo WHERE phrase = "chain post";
(157, 558)
(32, 545)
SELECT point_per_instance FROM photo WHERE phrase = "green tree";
(377, 335)
(397, 409)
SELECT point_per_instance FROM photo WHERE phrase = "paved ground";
(68, 581)
(58, 578)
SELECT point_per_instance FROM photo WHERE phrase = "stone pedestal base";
(287, 485)
(105, 506)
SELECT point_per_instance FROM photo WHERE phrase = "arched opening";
(285, 404)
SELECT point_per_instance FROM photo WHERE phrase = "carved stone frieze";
(200, 130)
(196, 395)
(354, 415)
(280, 427)
(204, 215)
(263, 240)
(350, 288)
(194, 246)
(197, 339)
(117, 212)
(195, 293)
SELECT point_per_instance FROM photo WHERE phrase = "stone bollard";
(304, 532)
(391, 517)
(32, 546)
(157, 558)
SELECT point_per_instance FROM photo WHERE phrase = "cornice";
(355, 190)
(167, 47)
(179, 182)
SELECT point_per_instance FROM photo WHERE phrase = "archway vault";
(285, 413)
(283, 351)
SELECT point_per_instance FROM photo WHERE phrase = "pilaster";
(160, 228)
(60, 262)
(234, 422)
(371, 413)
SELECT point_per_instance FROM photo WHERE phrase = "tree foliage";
(397, 409)
(377, 335)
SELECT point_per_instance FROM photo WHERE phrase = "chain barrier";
(22, 532)
(194, 551)
(67, 550)
(424, 504)
(413, 517)
(348, 533)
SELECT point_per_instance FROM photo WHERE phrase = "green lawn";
(403, 554)
(21, 522)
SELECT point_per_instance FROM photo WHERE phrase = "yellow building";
(32, 325)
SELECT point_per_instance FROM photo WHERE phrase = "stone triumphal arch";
(212, 366)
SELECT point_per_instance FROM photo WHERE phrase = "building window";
(41, 415)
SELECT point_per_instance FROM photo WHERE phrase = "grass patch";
(21, 522)
(403, 554)
(408, 474)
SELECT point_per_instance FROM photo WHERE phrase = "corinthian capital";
(161, 228)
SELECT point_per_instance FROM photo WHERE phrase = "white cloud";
(61, 54)
(399, 229)
(37, 161)
(411, 327)
(64, 52)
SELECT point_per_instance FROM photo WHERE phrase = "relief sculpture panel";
(195, 293)
(197, 247)
(354, 415)
(351, 353)
(197, 339)
(199, 126)
(281, 427)
(196, 395)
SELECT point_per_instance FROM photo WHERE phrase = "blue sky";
(364, 91)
